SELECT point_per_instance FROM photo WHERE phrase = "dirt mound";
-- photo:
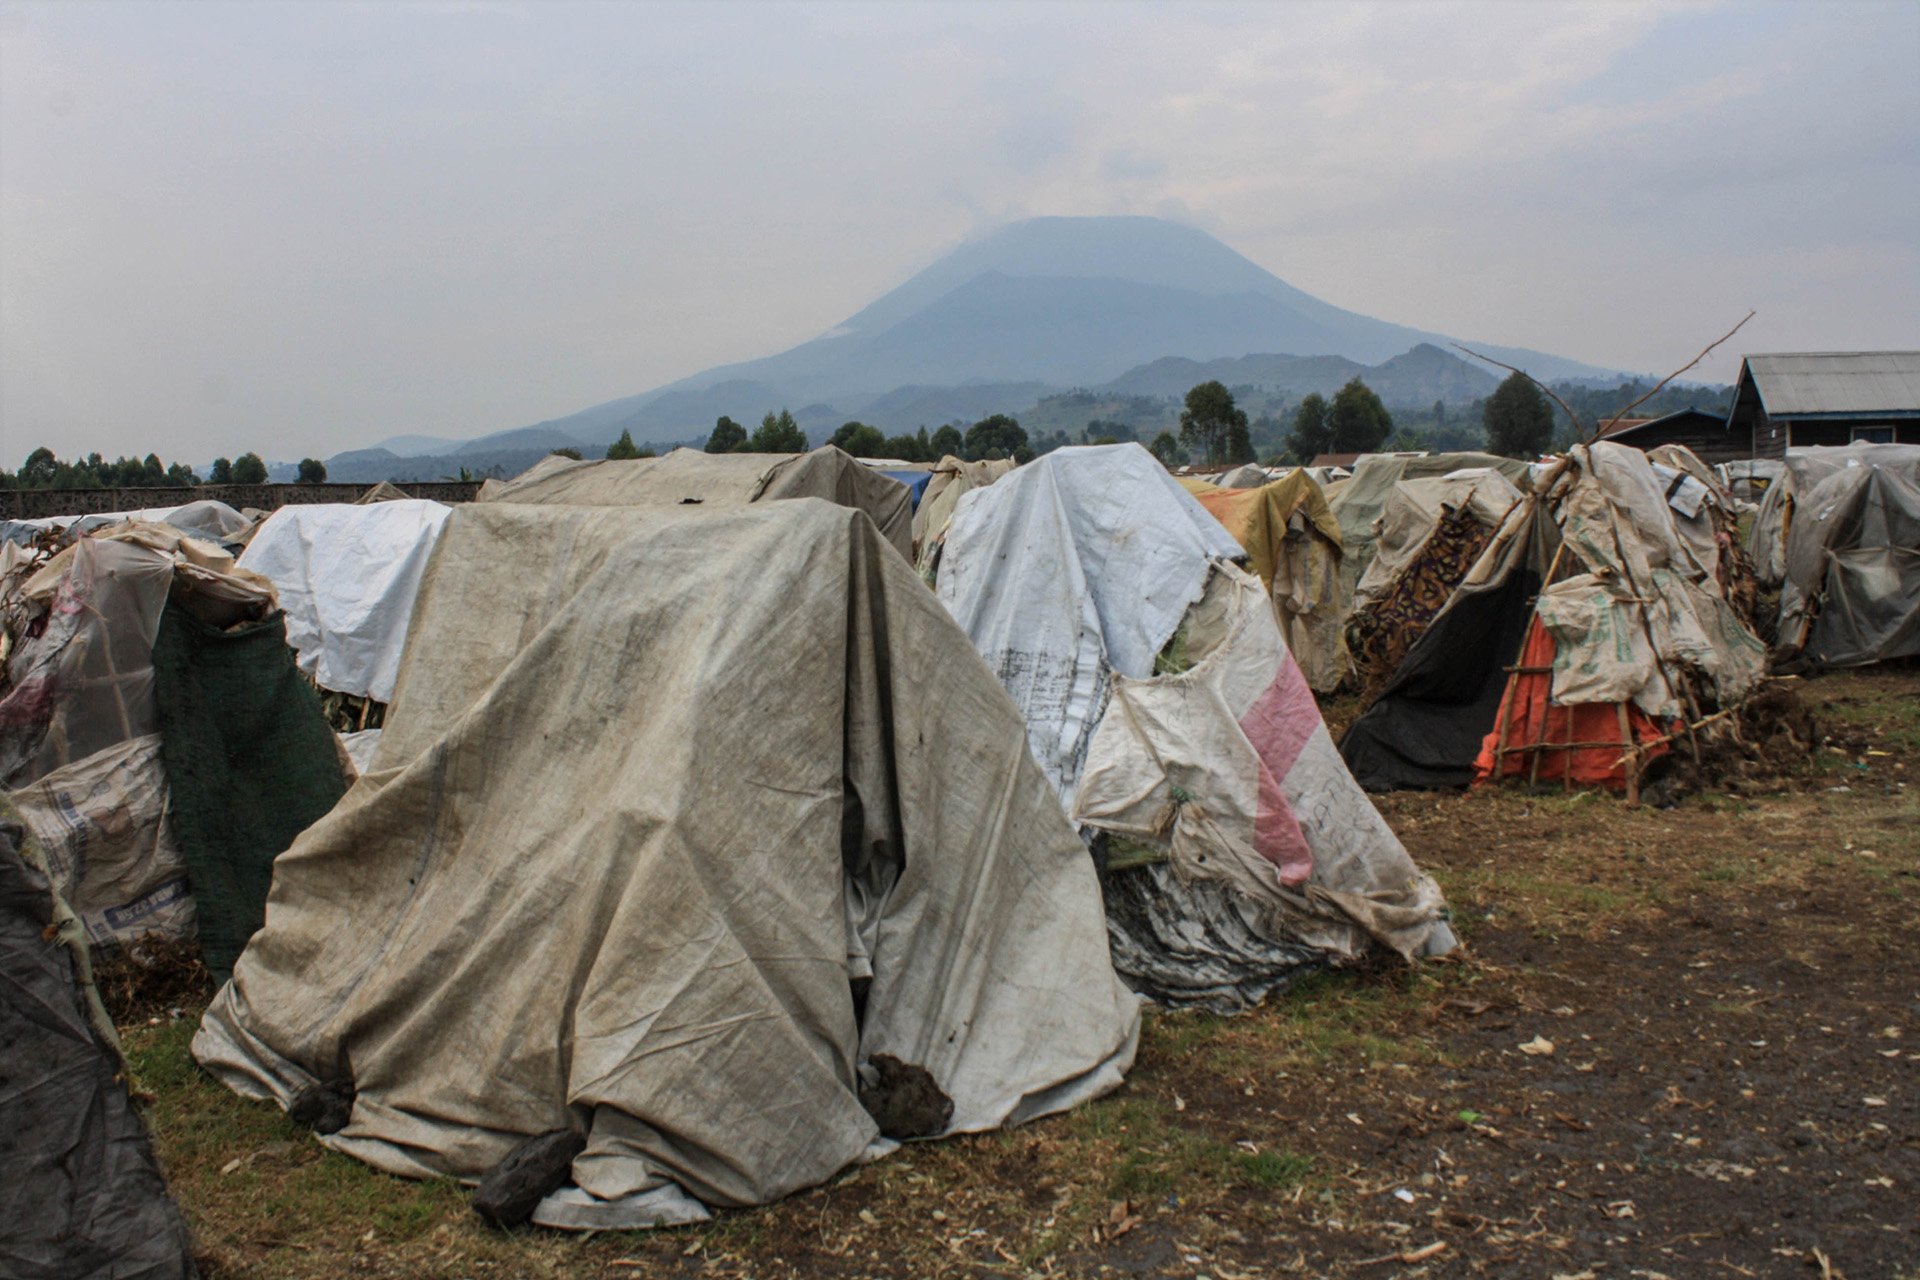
(1766, 746)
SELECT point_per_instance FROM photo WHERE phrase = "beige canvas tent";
(1359, 501)
(707, 849)
(1293, 545)
(689, 477)
(952, 480)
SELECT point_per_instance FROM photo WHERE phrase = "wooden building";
(1707, 434)
(1790, 401)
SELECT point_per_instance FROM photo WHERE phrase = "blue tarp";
(916, 481)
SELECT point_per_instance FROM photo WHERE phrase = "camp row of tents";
(704, 850)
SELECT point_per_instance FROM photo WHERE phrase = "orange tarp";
(1595, 724)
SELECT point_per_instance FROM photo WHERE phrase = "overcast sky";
(300, 229)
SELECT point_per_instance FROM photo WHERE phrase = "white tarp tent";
(793, 858)
(1072, 576)
(347, 575)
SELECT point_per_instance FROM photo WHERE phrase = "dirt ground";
(1679, 1042)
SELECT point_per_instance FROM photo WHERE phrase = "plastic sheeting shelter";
(794, 883)
(1161, 701)
(1430, 535)
(155, 736)
(347, 576)
(82, 1197)
(1362, 499)
(1588, 594)
(689, 477)
(1850, 555)
(1292, 543)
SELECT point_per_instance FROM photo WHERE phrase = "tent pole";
(1631, 756)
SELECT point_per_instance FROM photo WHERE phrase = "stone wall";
(33, 504)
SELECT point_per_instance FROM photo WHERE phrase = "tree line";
(45, 469)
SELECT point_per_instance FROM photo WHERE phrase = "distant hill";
(1414, 378)
(417, 446)
(1063, 302)
(1128, 306)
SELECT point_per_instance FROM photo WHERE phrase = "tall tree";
(249, 469)
(1311, 436)
(778, 433)
(1166, 448)
(1356, 420)
(221, 472)
(728, 437)
(947, 442)
(902, 448)
(1518, 418)
(624, 447)
(312, 471)
(1215, 425)
(998, 436)
(859, 439)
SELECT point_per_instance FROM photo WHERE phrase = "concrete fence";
(34, 504)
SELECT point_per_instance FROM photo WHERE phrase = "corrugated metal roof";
(1839, 382)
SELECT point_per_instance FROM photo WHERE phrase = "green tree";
(624, 447)
(1518, 418)
(1215, 425)
(778, 434)
(249, 469)
(860, 440)
(40, 469)
(153, 472)
(221, 472)
(1356, 420)
(728, 437)
(947, 442)
(1166, 448)
(181, 474)
(1310, 437)
(998, 436)
(903, 448)
(312, 471)
(565, 451)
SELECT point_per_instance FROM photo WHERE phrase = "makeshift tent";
(1361, 500)
(1245, 476)
(385, 491)
(347, 576)
(1162, 703)
(793, 882)
(1850, 556)
(82, 1197)
(1587, 596)
(1293, 543)
(1428, 537)
(688, 477)
(154, 735)
(952, 480)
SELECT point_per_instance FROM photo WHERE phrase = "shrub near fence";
(34, 504)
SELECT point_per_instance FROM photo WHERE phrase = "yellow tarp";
(1277, 524)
